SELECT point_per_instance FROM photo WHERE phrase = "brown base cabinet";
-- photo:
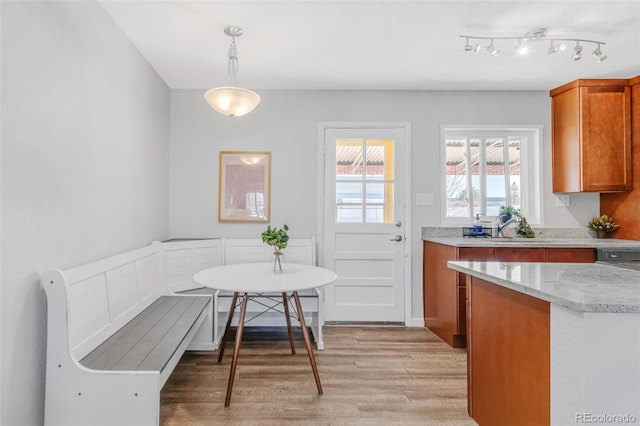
(444, 290)
(508, 356)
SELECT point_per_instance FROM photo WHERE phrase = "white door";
(364, 223)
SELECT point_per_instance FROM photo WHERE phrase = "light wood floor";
(370, 376)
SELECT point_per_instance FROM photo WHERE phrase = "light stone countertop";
(535, 242)
(583, 287)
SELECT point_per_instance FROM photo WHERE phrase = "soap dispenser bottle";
(477, 225)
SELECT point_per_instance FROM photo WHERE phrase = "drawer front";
(507, 254)
(473, 253)
(571, 255)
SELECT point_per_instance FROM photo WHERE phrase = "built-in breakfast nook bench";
(117, 327)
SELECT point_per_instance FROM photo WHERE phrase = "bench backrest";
(183, 259)
(301, 250)
(103, 296)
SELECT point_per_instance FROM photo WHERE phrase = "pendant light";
(231, 100)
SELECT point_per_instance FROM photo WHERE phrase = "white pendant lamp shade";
(232, 101)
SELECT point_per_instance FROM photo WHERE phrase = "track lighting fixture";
(471, 48)
(492, 50)
(577, 52)
(559, 48)
(597, 53)
(524, 42)
(521, 49)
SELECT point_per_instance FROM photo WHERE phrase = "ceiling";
(377, 45)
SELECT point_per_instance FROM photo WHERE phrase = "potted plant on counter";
(506, 213)
(603, 225)
(279, 239)
(524, 229)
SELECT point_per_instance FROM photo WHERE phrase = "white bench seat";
(115, 332)
(150, 340)
(117, 327)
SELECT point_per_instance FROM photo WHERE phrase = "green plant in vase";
(279, 239)
(507, 212)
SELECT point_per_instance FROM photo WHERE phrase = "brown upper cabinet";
(591, 136)
(624, 206)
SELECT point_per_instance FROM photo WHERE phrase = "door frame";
(406, 128)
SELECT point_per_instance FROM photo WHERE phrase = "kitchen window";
(485, 168)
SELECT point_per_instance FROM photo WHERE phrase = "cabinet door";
(565, 147)
(571, 255)
(440, 292)
(591, 136)
(606, 138)
(509, 353)
(625, 205)
(507, 254)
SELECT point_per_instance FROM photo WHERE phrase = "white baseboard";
(416, 322)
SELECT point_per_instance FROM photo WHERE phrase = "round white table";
(259, 278)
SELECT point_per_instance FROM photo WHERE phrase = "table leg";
(285, 302)
(307, 342)
(236, 350)
(223, 342)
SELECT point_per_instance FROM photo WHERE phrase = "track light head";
(554, 49)
(492, 50)
(577, 52)
(521, 49)
(597, 53)
(475, 48)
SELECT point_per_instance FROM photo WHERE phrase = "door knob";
(396, 238)
(398, 223)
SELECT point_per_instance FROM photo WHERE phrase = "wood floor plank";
(370, 375)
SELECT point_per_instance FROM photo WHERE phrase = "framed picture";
(244, 186)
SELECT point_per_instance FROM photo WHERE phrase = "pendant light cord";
(232, 64)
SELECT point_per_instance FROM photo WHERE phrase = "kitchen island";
(552, 343)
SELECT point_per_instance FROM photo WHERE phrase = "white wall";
(85, 159)
(286, 123)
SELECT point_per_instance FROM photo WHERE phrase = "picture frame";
(244, 186)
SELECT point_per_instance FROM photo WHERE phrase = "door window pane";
(349, 157)
(375, 203)
(369, 161)
(348, 201)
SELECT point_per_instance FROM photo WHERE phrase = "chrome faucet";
(501, 225)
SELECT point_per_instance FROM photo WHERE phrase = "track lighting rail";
(536, 35)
